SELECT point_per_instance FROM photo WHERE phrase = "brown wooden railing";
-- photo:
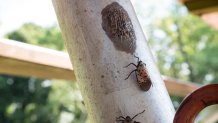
(22, 59)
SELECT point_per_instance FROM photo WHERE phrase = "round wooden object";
(195, 102)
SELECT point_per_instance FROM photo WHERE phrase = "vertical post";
(102, 36)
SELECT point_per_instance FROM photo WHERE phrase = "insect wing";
(143, 79)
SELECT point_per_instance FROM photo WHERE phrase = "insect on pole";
(142, 77)
(128, 119)
(102, 36)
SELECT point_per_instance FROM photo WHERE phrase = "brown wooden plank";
(24, 68)
(201, 6)
(34, 54)
(22, 59)
(27, 60)
(178, 87)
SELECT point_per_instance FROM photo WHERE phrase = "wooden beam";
(201, 6)
(35, 54)
(26, 60)
(25, 69)
(22, 59)
(178, 87)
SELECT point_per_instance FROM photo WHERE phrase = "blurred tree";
(32, 100)
(19, 96)
(185, 47)
(33, 34)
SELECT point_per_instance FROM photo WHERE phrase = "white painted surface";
(93, 55)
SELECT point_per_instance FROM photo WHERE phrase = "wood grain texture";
(27, 69)
(26, 60)
(34, 54)
(195, 102)
(99, 65)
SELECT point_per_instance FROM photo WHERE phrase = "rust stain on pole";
(118, 27)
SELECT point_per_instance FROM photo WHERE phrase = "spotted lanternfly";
(141, 73)
(128, 119)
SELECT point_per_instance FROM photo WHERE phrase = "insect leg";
(130, 64)
(130, 74)
(121, 120)
(136, 122)
(138, 114)
(136, 77)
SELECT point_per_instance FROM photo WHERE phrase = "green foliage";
(18, 96)
(71, 102)
(34, 34)
(32, 100)
(187, 47)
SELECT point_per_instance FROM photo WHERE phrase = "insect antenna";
(120, 118)
(136, 57)
(138, 114)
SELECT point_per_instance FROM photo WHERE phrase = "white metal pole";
(102, 36)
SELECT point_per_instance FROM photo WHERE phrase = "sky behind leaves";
(14, 13)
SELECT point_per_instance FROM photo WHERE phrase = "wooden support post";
(102, 36)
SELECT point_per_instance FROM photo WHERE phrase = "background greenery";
(184, 47)
(32, 100)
